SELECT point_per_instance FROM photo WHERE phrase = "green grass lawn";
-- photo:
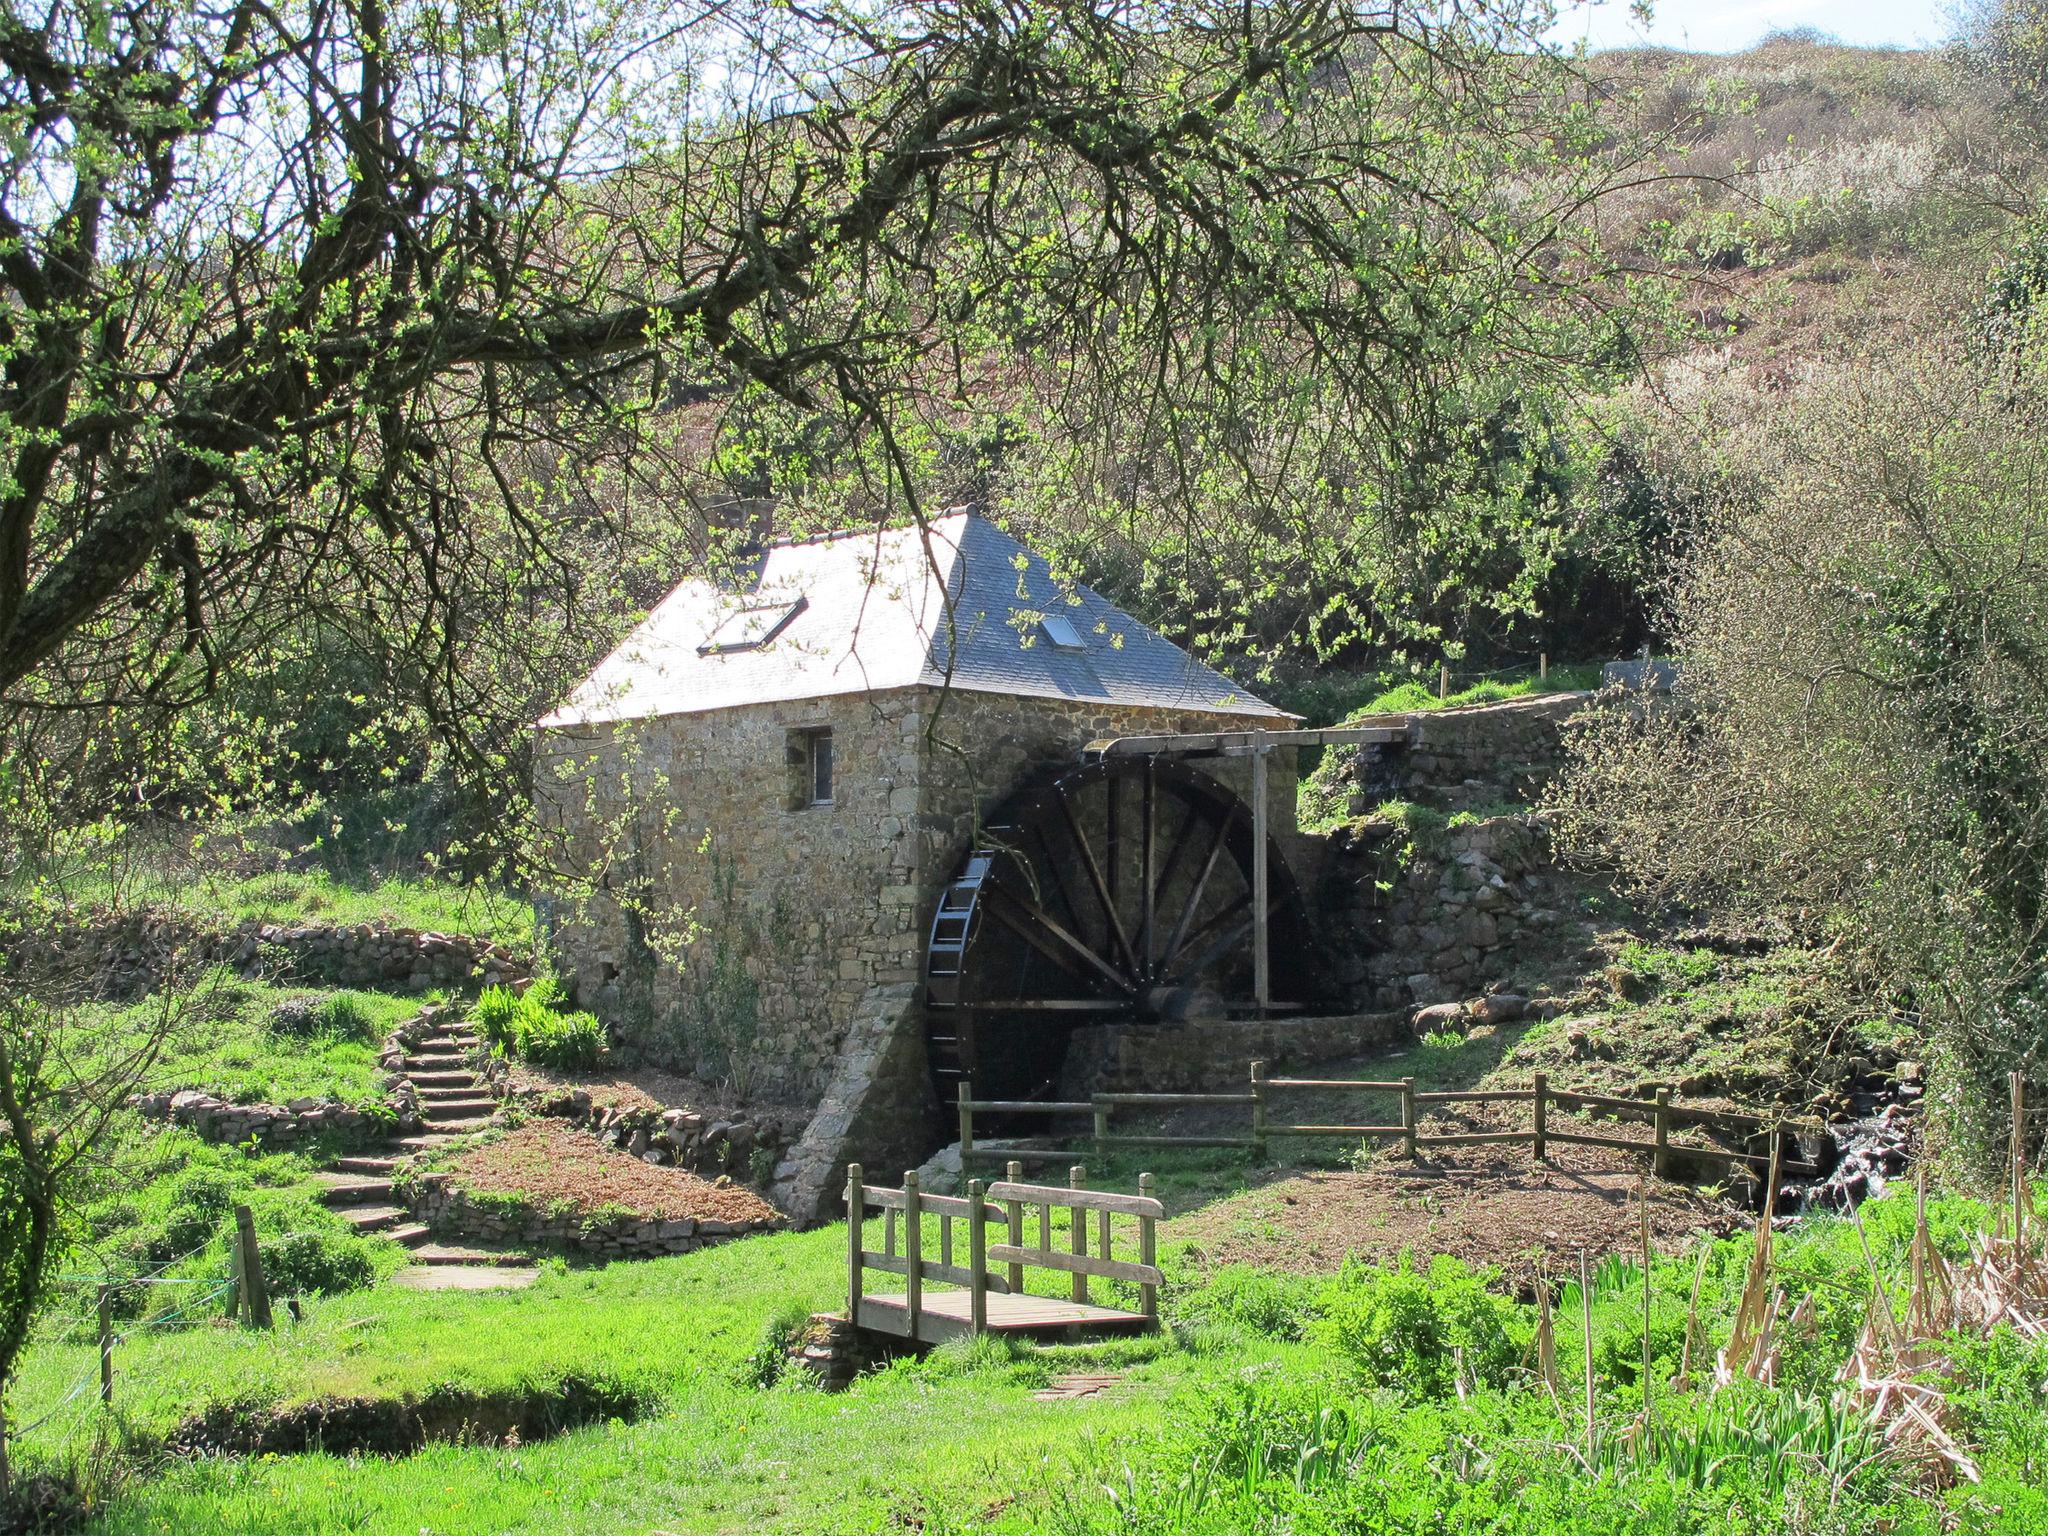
(238, 1045)
(957, 1432)
(1278, 1404)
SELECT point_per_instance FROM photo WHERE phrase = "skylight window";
(1059, 629)
(750, 628)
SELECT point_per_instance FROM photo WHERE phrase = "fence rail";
(1661, 1114)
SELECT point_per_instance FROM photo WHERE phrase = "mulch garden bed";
(548, 1160)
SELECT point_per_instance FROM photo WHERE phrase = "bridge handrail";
(978, 1209)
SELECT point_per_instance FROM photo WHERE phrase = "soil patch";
(384, 1426)
(547, 1161)
(1488, 1206)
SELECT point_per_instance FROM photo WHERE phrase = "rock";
(1439, 1016)
(1500, 1008)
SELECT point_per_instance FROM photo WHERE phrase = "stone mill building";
(773, 785)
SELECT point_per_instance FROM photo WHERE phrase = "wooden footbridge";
(988, 1292)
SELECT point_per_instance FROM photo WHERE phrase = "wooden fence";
(1266, 1094)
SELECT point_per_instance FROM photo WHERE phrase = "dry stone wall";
(268, 1125)
(1422, 917)
(1213, 1057)
(135, 953)
(1468, 758)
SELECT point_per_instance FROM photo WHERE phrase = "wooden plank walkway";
(943, 1315)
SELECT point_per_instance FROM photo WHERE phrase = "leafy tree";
(1860, 742)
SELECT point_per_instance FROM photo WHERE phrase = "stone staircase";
(359, 1187)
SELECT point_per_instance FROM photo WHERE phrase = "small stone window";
(810, 766)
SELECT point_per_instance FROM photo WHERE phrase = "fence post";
(1258, 1111)
(977, 1261)
(1148, 1249)
(966, 1122)
(913, 1250)
(1443, 682)
(1077, 1178)
(107, 1345)
(1014, 1172)
(1542, 1119)
(6, 1475)
(856, 1217)
(253, 1293)
(1408, 1115)
(1660, 1160)
(1101, 1109)
(1543, 666)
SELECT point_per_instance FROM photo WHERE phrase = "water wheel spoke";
(1229, 926)
(1179, 936)
(1095, 878)
(1147, 895)
(1042, 931)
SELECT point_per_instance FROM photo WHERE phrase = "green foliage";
(1419, 1329)
(1277, 1306)
(319, 1263)
(530, 1027)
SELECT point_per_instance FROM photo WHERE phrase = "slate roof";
(868, 611)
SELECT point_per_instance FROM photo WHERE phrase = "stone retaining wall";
(1426, 917)
(133, 954)
(268, 1125)
(668, 1138)
(1215, 1057)
(454, 1212)
(1467, 758)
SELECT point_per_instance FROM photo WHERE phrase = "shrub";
(318, 1263)
(344, 1015)
(496, 1015)
(568, 1042)
(1401, 1327)
(530, 1027)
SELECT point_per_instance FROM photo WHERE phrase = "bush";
(1416, 1330)
(496, 1016)
(317, 1263)
(567, 1042)
(529, 1027)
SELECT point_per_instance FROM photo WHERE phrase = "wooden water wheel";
(1120, 890)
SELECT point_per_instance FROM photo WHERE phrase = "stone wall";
(667, 1138)
(268, 1125)
(1468, 758)
(1420, 916)
(455, 1213)
(133, 954)
(1216, 1057)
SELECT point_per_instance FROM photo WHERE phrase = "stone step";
(463, 1277)
(373, 1218)
(428, 1142)
(451, 1253)
(423, 1078)
(461, 1128)
(373, 1166)
(433, 1060)
(442, 1045)
(450, 1094)
(438, 1111)
(345, 1191)
(411, 1235)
